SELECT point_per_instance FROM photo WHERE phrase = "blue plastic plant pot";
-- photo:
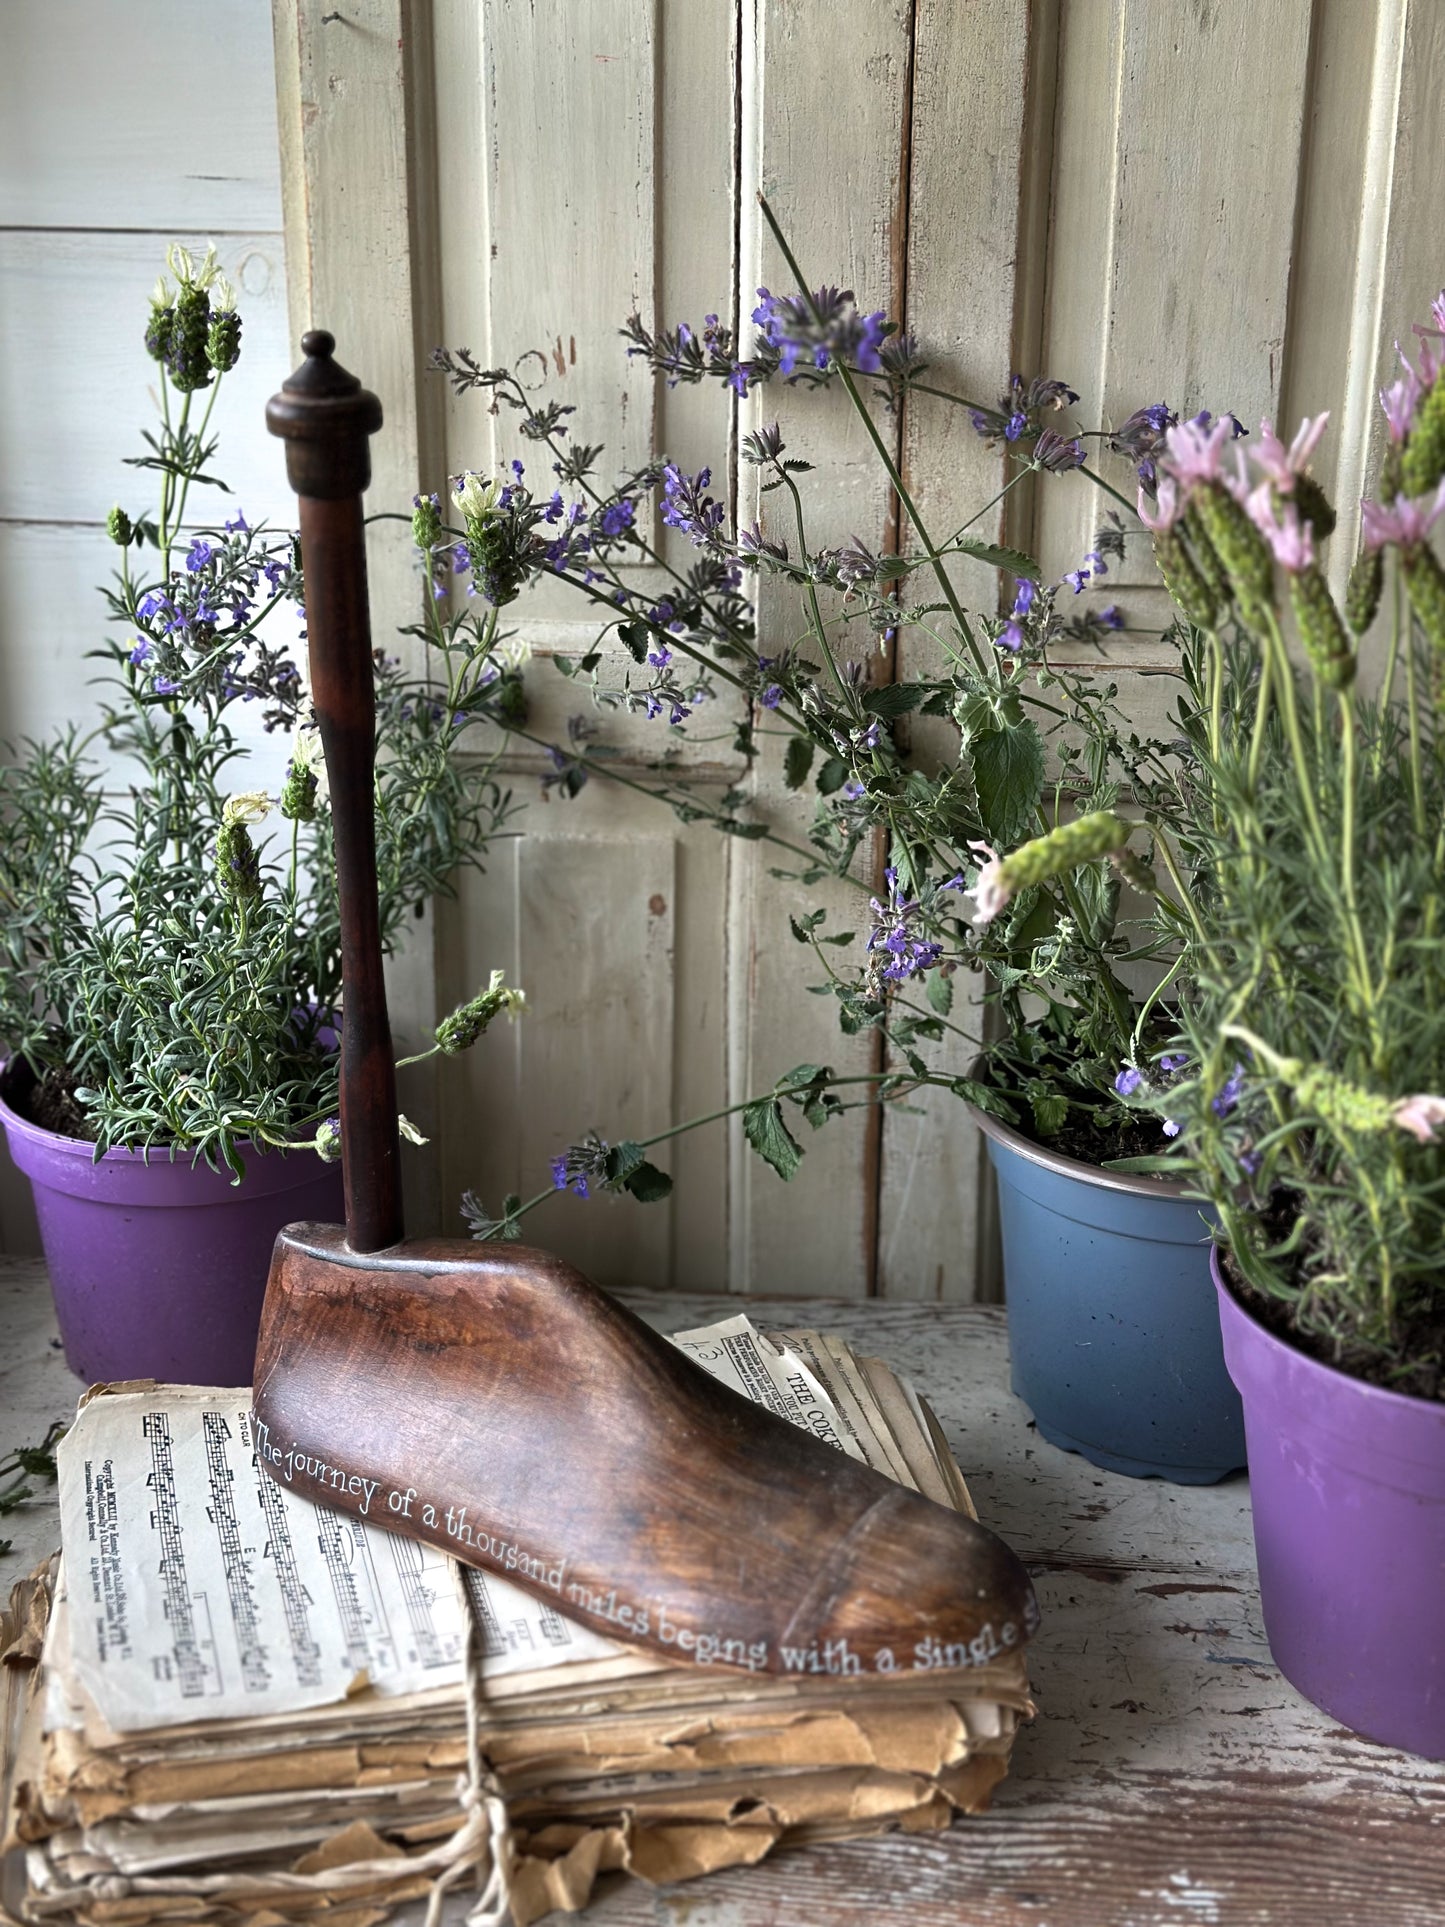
(1112, 1315)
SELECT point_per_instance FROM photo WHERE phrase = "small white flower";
(409, 1131)
(182, 265)
(246, 806)
(223, 296)
(1419, 1115)
(309, 757)
(164, 294)
(513, 1001)
(512, 652)
(475, 496)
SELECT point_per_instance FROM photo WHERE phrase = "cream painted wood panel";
(138, 114)
(967, 189)
(90, 292)
(823, 136)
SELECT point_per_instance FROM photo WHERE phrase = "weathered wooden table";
(1172, 1777)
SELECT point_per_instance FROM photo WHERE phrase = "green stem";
(778, 1091)
(849, 694)
(900, 488)
(1412, 709)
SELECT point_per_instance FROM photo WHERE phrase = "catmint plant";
(1007, 862)
(170, 950)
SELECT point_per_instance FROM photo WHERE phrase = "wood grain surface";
(491, 1401)
(1172, 1777)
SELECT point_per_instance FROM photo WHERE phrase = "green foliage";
(26, 1463)
(170, 964)
(768, 1134)
(1315, 1013)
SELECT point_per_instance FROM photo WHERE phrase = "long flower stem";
(900, 487)
(910, 1082)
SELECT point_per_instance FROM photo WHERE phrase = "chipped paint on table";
(1172, 1775)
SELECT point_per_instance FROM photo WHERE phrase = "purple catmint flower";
(771, 696)
(1111, 617)
(687, 506)
(617, 517)
(659, 657)
(164, 685)
(1170, 1127)
(762, 445)
(1173, 1061)
(1128, 1081)
(1010, 637)
(198, 555)
(1055, 453)
(141, 651)
(238, 525)
(153, 605)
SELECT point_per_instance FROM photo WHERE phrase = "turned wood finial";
(326, 418)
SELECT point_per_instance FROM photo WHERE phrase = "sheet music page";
(201, 1589)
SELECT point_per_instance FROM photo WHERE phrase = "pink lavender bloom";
(1164, 513)
(1283, 464)
(1406, 524)
(990, 893)
(1291, 540)
(1399, 401)
(1196, 449)
(1420, 1115)
(1432, 358)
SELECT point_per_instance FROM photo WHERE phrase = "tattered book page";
(201, 1589)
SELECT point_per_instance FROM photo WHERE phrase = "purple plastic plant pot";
(158, 1269)
(1347, 1482)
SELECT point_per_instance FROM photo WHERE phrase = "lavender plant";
(1308, 1090)
(1008, 860)
(168, 975)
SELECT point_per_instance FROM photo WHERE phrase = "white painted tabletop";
(1171, 1777)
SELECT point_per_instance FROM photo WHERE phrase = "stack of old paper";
(250, 1708)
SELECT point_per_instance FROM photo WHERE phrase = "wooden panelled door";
(1219, 203)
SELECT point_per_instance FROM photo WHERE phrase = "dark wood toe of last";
(500, 1406)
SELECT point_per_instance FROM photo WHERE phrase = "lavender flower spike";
(1163, 514)
(1420, 1115)
(1195, 451)
(1290, 539)
(1405, 524)
(1282, 465)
